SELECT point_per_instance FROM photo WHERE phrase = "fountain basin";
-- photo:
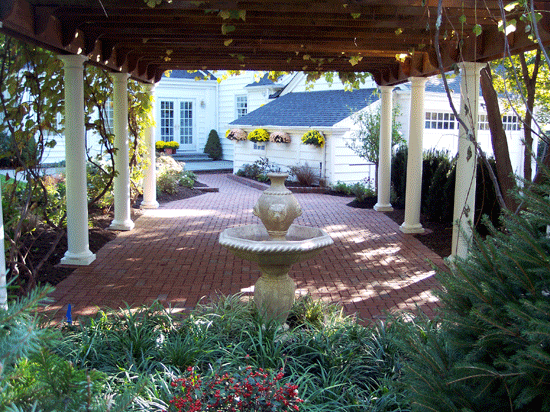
(252, 242)
(274, 290)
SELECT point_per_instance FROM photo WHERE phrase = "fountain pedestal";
(275, 246)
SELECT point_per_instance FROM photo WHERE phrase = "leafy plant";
(279, 137)
(213, 145)
(313, 137)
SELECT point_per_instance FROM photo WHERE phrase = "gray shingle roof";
(184, 74)
(323, 108)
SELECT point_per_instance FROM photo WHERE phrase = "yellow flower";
(313, 137)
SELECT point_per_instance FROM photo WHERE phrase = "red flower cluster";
(250, 390)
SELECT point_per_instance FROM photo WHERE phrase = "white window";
(510, 122)
(440, 120)
(167, 120)
(109, 115)
(259, 146)
(483, 122)
(241, 105)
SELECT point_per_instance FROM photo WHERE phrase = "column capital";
(386, 89)
(121, 77)
(418, 81)
(72, 60)
(471, 66)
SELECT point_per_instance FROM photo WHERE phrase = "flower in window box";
(313, 137)
(258, 135)
(279, 137)
(236, 134)
(167, 147)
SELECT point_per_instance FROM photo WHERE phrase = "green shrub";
(362, 190)
(491, 349)
(8, 149)
(341, 187)
(399, 176)
(213, 145)
(440, 195)
(430, 162)
(187, 178)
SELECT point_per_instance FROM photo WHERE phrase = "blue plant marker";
(69, 315)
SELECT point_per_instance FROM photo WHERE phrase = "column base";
(149, 205)
(411, 229)
(125, 225)
(80, 259)
(379, 207)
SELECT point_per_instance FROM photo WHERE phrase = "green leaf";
(224, 14)
(355, 15)
(228, 42)
(227, 28)
(511, 6)
(398, 31)
(354, 60)
(462, 19)
(477, 29)
(242, 15)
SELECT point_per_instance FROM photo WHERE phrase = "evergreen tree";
(213, 146)
(491, 349)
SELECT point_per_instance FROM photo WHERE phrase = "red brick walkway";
(173, 255)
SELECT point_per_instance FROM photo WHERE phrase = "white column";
(150, 178)
(465, 186)
(384, 154)
(122, 220)
(78, 252)
(3, 284)
(413, 191)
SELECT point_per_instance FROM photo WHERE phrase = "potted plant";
(279, 137)
(258, 135)
(313, 137)
(167, 147)
(236, 134)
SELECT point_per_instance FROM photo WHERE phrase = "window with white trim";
(510, 122)
(167, 120)
(109, 115)
(241, 104)
(483, 123)
(440, 120)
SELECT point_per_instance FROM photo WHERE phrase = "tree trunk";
(530, 86)
(498, 139)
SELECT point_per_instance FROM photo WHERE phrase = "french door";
(176, 123)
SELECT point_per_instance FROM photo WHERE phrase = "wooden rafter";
(392, 39)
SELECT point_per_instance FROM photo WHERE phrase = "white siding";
(334, 162)
(203, 96)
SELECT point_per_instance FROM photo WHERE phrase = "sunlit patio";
(173, 256)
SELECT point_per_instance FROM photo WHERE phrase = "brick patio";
(173, 256)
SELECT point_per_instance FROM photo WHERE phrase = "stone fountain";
(275, 246)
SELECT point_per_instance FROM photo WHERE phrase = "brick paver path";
(173, 256)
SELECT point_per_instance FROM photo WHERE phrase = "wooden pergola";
(394, 40)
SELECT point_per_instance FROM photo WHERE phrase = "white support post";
(465, 186)
(3, 283)
(150, 178)
(384, 156)
(78, 252)
(413, 191)
(122, 220)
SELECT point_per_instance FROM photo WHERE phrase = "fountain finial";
(277, 207)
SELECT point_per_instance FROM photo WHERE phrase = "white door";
(176, 123)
